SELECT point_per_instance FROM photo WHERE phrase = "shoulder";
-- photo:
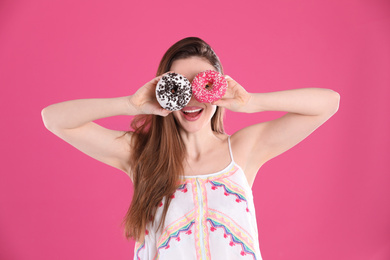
(243, 143)
(244, 140)
(223, 137)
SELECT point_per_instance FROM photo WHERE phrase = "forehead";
(189, 67)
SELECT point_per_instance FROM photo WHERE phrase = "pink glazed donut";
(209, 86)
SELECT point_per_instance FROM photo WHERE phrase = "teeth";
(192, 111)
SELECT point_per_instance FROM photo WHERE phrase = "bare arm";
(72, 121)
(307, 109)
(75, 113)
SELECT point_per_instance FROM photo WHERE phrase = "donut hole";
(209, 86)
(173, 90)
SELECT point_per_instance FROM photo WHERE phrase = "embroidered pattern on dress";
(174, 229)
(238, 235)
(204, 220)
(197, 213)
(231, 188)
(228, 173)
(183, 188)
(138, 247)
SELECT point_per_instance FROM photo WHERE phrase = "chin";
(191, 129)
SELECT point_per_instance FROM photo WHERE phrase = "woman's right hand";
(145, 101)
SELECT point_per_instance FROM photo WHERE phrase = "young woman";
(192, 181)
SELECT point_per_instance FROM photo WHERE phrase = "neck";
(198, 142)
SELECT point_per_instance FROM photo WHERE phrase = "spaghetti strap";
(230, 149)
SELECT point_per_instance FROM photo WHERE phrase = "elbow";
(45, 118)
(333, 102)
(336, 101)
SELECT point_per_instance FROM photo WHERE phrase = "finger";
(164, 112)
(229, 93)
(156, 79)
(221, 103)
(161, 111)
(228, 78)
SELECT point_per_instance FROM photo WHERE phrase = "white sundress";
(210, 216)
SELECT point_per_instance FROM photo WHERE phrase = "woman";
(192, 181)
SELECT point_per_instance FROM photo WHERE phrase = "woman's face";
(195, 115)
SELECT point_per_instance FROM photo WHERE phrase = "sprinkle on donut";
(173, 91)
(209, 86)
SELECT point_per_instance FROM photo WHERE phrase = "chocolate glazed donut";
(173, 91)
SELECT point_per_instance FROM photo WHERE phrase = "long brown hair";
(158, 149)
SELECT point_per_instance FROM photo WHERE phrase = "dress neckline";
(211, 174)
(232, 169)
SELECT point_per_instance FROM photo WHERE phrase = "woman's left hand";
(235, 98)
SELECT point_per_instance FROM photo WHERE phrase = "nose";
(193, 101)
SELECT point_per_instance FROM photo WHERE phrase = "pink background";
(326, 198)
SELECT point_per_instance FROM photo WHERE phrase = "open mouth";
(192, 114)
